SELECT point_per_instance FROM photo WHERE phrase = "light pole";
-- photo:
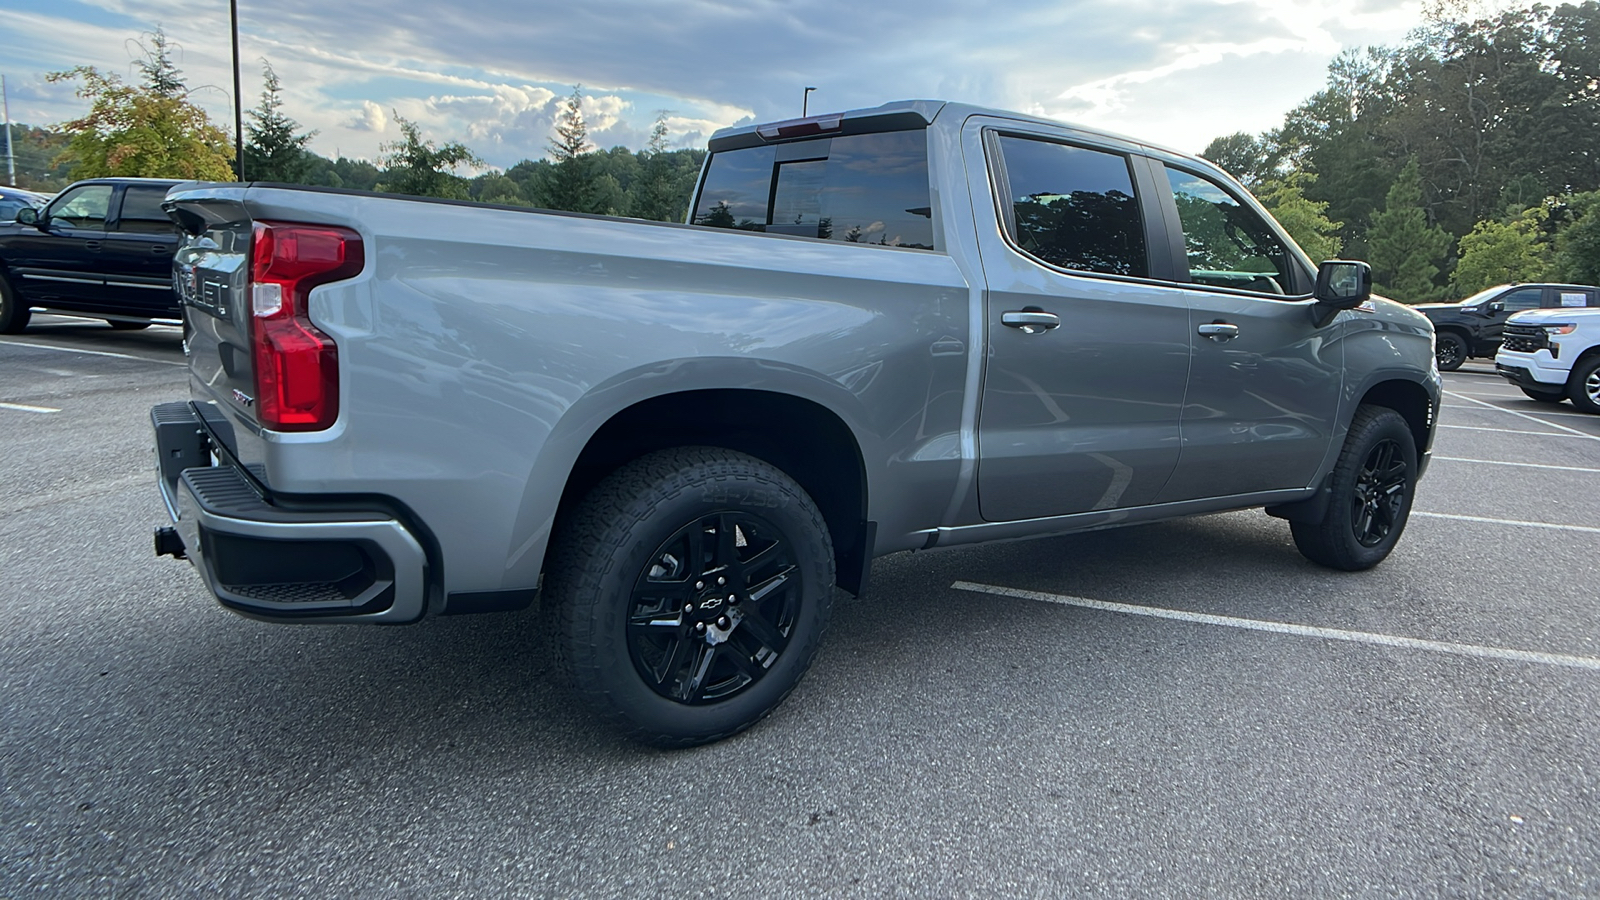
(11, 158)
(804, 101)
(238, 108)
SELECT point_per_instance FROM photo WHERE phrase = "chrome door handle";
(1031, 321)
(1219, 331)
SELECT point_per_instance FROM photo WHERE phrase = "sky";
(494, 74)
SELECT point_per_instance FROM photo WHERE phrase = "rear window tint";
(862, 188)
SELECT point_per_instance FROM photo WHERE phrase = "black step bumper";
(268, 561)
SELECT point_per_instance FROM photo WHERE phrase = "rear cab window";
(859, 188)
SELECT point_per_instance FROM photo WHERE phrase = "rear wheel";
(1542, 396)
(14, 314)
(692, 588)
(1450, 350)
(120, 325)
(1583, 386)
(1372, 487)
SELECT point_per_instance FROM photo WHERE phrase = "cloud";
(493, 77)
(371, 118)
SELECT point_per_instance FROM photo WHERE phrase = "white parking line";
(1331, 634)
(159, 362)
(1496, 462)
(1542, 412)
(23, 407)
(1588, 529)
(1523, 415)
(1514, 431)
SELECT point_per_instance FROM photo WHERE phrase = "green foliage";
(273, 151)
(1306, 220)
(36, 155)
(1577, 258)
(1404, 249)
(161, 76)
(423, 169)
(1249, 159)
(571, 183)
(1501, 252)
(138, 131)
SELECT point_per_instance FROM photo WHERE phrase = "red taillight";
(296, 365)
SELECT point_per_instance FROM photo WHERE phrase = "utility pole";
(238, 108)
(804, 100)
(11, 158)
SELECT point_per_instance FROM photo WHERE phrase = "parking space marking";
(1523, 415)
(159, 362)
(1515, 431)
(1331, 634)
(1496, 462)
(1570, 415)
(23, 407)
(1589, 529)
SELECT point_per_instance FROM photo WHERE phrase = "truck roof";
(901, 113)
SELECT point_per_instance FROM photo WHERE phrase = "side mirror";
(1343, 284)
(1494, 306)
(28, 216)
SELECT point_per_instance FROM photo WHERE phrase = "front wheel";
(14, 314)
(1450, 350)
(1583, 385)
(1371, 491)
(692, 587)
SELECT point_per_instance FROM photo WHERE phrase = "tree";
(660, 196)
(1496, 252)
(1250, 159)
(137, 131)
(161, 76)
(1403, 247)
(1305, 220)
(423, 169)
(570, 185)
(1578, 245)
(274, 152)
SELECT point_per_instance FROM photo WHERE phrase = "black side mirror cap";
(1343, 283)
(28, 216)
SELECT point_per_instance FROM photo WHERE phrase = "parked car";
(1554, 354)
(1472, 328)
(102, 249)
(921, 325)
(14, 200)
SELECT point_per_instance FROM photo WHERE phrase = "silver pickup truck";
(915, 326)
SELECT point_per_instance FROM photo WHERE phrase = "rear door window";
(1073, 207)
(142, 212)
(860, 188)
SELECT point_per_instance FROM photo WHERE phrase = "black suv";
(1472, 328)
(102, 248)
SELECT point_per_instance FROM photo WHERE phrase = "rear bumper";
(267, 561)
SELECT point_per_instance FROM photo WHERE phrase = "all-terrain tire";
(14, 314)
(648, 635)
(1371, 489)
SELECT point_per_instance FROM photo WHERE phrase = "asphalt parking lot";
(1186, 708)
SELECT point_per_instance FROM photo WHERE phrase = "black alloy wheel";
(715, 608)
(1369, 494)
(1380, 493)
(690, 590)
(1450, 351)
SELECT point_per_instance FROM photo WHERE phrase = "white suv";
(1553, 354)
